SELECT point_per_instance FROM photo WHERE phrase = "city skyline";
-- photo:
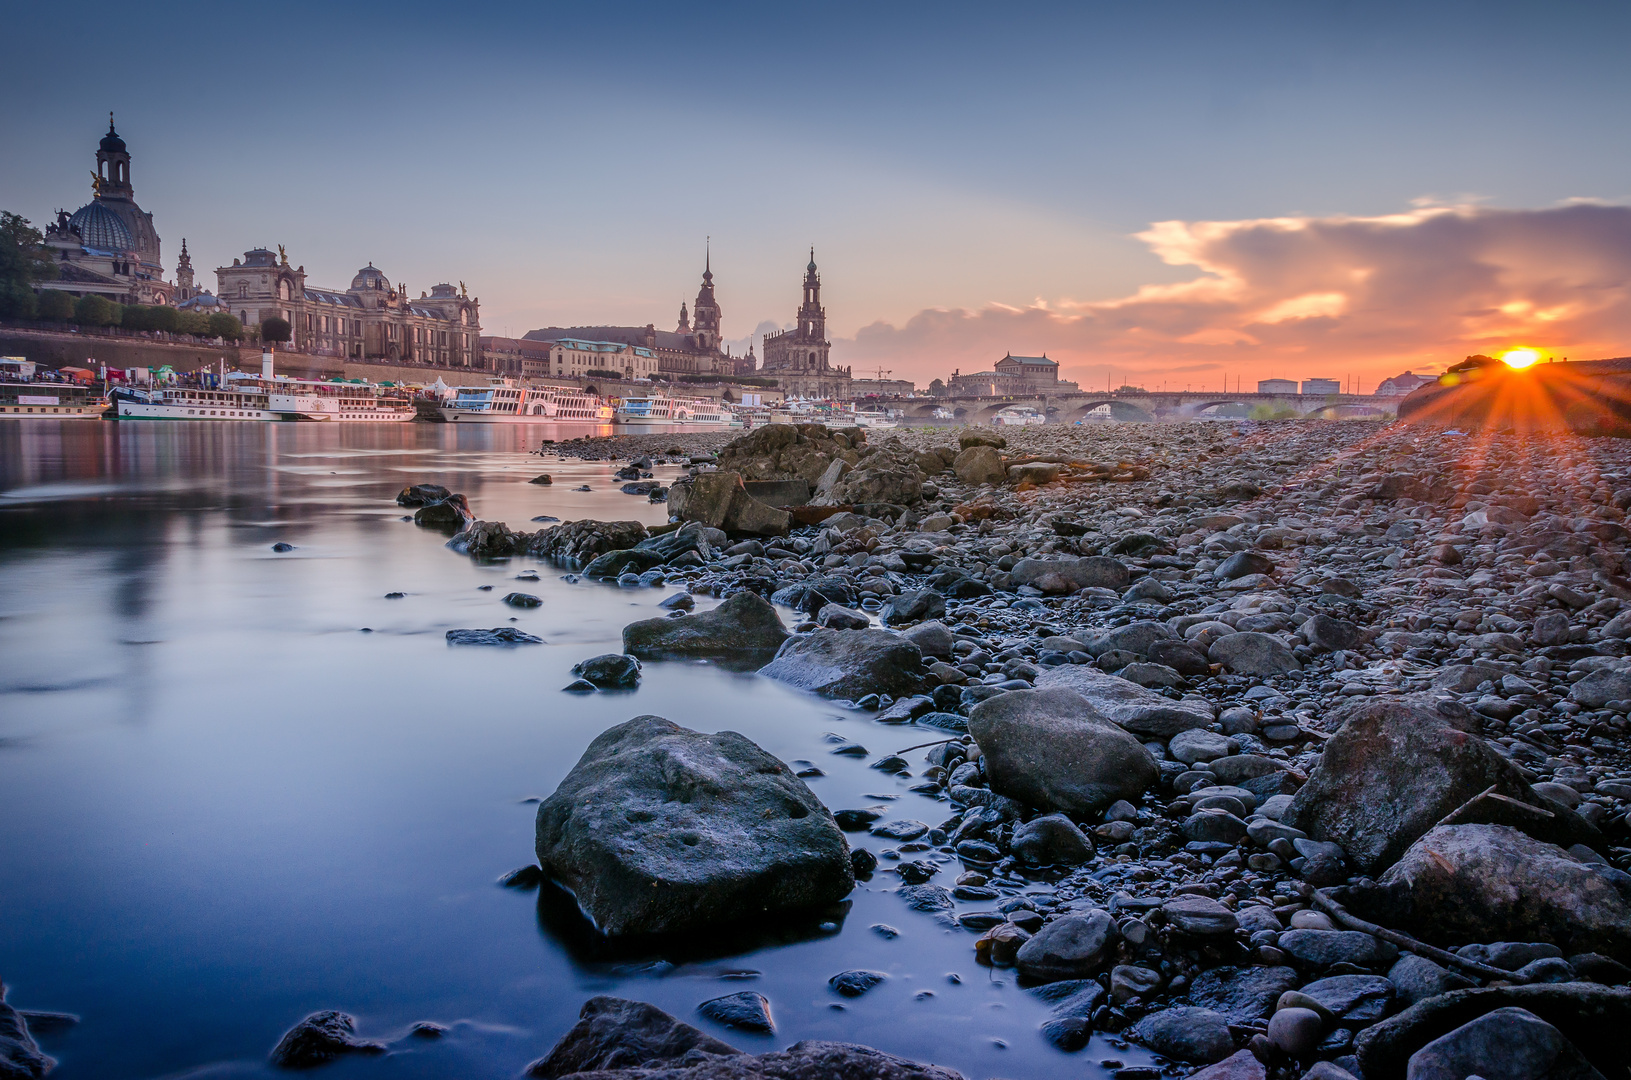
(1179, 197)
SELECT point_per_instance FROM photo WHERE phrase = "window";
(243, 290)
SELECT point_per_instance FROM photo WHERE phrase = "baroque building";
(799, 358)
(370, 320)
(108, 247)
(1012, 375)
(694, 347)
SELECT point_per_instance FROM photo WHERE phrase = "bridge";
(1069, 408)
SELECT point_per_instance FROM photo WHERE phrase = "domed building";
(108, 247)
(371, 320)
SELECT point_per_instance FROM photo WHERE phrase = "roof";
(328, 296)
(629, 335)
(101, 228)
(1030, 361)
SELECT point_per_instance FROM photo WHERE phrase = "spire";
(812, 265)
(707, 262)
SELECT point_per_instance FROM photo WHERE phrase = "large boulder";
(1142, 712)
(1056, 576)
(581, 541)
(1507, 1044)
(1253, 653)
(630, 1040)
(848, 663)
(1051, 749)
(659, 829)
(1393, 770)
(720, 501)
(1135, 637)
(744, 625)
(319, 1039)
(1462, 883)
(977, 465)
(20, 1056)
(1072, 946)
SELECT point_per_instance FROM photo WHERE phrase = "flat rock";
(1142, 712)
(1051, 749)
(1055, 576)
(1507, 1044)
(499, 635)
(1186, 1033)
(319, 1039)
(847, 663)
(1252, 653)
(1242, 995)
(1070, 947)
(659, 829)
(745, 624)
(1201, 916)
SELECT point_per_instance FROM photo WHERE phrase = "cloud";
(1303, 296)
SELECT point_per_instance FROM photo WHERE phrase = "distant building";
(1400, 385)
(571, 358)
(800, 359)
(1322, 386)
(108, 247)
(692, 348)
(1277, 386)
(860, 388)
(516, 357)
(1012, 375)
(371, 320)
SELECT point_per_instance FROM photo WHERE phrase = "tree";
(134, 317)
(17, 301)
(276, 329)
(56, 306)
(193, 322)
(24, 258)
(226, 326)
(163, 317)
(937, 389)
(95, 310)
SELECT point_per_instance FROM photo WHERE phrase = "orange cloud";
(1303, 296)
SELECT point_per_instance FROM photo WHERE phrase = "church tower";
(705, 312)
(812, 316)
(685, 320)
(184, 274)
(113, 166)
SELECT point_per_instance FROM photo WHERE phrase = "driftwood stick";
(921, 746)
(1324, 902)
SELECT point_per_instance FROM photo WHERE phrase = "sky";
(1164, 194)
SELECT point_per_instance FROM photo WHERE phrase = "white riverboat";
(503, 402)
(265, 399)
(49, 401)
(689, 412)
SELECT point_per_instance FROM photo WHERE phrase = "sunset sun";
(1518, 359)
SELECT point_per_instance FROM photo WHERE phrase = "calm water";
(226, 806)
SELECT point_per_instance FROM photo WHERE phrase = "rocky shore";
(1291, 749)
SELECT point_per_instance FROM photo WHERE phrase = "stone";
(1151, 676)
(1296, 1032)
(1180, 656)
(839, 617)
(720, 501)
(1460, 882)
(319, 1039)
(1600, 687)
(609, 671)
(542, 478)
(1072, 946)
(1242, 563)
(1186, 1033)
(1395, 767)
(1506, 1044)
(1214, 827)
(1053, 750)
(1242, 995)
(1416, 978)
(1128, 981)
(499, 635)
(1510, 955)
(977, 465)
(1323, 948)
(1354, 1000)
(1251, 653)
(931, 638)
(659, 829)
(1057, 576)
(1140, 711)
(1198, 744)
(614, 1034)
(422, 495)
(1241, 1065)
(1051, 840)
(745, 624)
(854, 983)
(1331, 634)
(912, 607)
(1135, 637)
(1199, 916)
(20, 1056)
(848, 664)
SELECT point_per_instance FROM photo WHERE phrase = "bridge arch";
(1120, 409)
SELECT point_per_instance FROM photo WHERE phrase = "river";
(239, 786)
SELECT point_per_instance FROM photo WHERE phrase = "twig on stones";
(1324, 901)
(920, 746)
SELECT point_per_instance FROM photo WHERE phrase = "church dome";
(370, 278)
(111, 143)
(101, 228)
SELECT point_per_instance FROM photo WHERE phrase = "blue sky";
(568, 162)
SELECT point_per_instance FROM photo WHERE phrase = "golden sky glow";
(1520, 358)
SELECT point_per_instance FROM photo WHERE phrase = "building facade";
(371, 320)
(1400, 385)
(572, 358)
(109, 247)
(1321, 386)
(1277, 386)
(800, 359)
(1010, 377)
(516, 357)
(694, 347)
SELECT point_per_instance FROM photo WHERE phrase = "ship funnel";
(266, 362)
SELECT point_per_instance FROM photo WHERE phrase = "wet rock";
(319, 1039)
(280, 547)
(499, 635)
(746, 1011)
(1242, 994)
(614, 1034)
(1242, 563)
(1353, 1000)
(1506, 1044)
(1416, 978)
(744, 624)
(452, 513)
(1395, 767)
(522, 600)
(1134, 708)
(20, 1056)
(931, 638)
(1600, 687)
(1241, 1065)
(1199, 916)
(583, 541)
(720, 501)
(848, 663)
(1187, 1033)
(610, 671)
(853, 984)
(422, 495)
(1053, 750)
(914, 607)
(1296, 1032)
(1051, 840)
(1070, 947)
(542, 478)
(839, 617)
(660, 829)
(977, 465)
(1330, 634)
(1482, 881)
(1320, 949)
